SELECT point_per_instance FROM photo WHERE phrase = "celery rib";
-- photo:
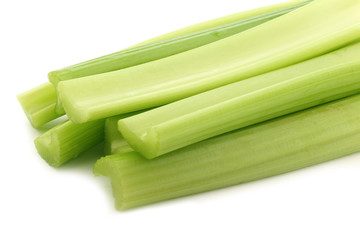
(39, 104)
(173, 126)
(225, 20)
(67, 140)
(160, 49)
(234, 58)
(277, 146)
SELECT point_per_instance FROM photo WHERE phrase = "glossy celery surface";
(225, 20)
(67, 140)
(39, 104)
(277, 146)
(160, 49)
(275, 44)
(114, 141)
(306, 84)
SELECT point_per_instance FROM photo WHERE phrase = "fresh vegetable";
(281, 145)
(227, 19)
(306, 84)
(275, 44)
(67, 140)
(39, 104)
(166, 47)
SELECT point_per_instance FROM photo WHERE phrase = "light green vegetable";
(281, 145)
(306, 84)
(225, 20)
(275, 44)
(67, 140)
(167, 47)
(114, 141)
(39, 104)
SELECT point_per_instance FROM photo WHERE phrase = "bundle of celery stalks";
(227, 101)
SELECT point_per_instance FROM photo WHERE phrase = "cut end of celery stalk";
(105, 166)
(76, 113)
(147, 145)
(110, 166)
(47, 147)
(67, 140)
(54, 78)
(39, 104)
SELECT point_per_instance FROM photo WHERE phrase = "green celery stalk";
(114, 141)
(67, 140)
(303, 85)
(225, 20)
(277, 146)
(39, 104)
(281, 42)
(167, 47)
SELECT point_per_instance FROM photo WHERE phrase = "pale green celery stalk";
(67, 140)
(153, 51)
(224, 20)
(280, 145)
(39, 104)
(303, 85)
(286, 40)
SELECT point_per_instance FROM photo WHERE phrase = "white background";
(39, 202)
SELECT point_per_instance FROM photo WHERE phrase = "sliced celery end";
(147, 144)
(159, 82)
(67, 140)
(47, 147)
(326, 78)
(281, 145)
(39, 104)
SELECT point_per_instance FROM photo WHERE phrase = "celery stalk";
(277, 146)
(167, 47)
(225, 20)
(39, 104)
(67, 140)
(114, 141)
(281, 42)
(306, 84)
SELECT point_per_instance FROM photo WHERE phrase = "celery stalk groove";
(284, 41)
(306, 84)
(277, 146)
